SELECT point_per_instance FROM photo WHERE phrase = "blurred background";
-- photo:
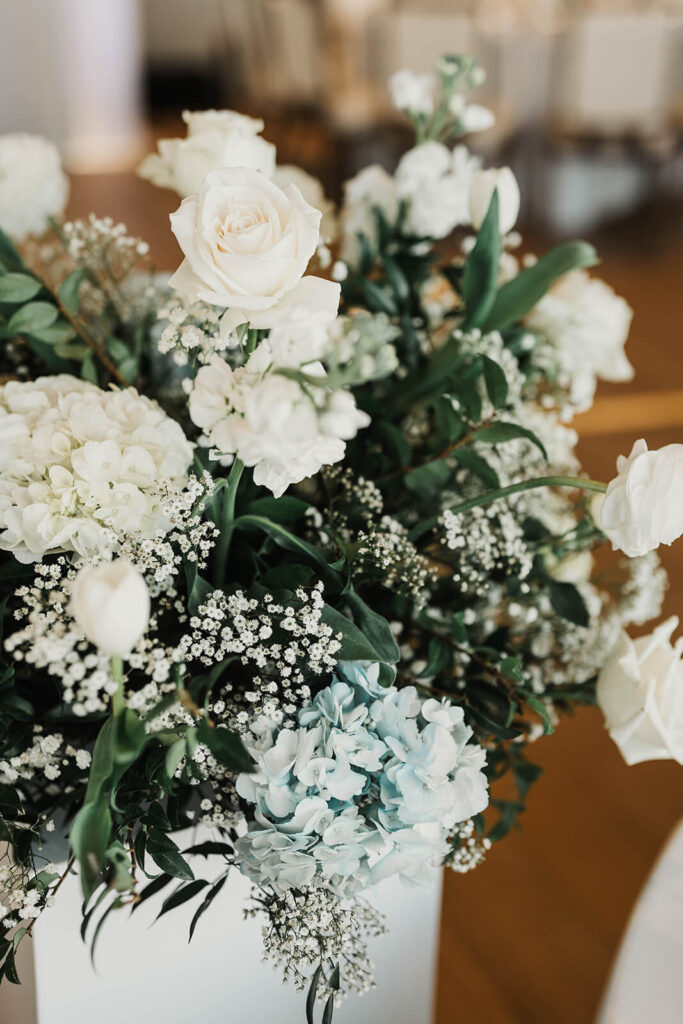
(588, 99)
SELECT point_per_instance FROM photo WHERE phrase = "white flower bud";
(643, 506)
(110, 603)
(483, 185)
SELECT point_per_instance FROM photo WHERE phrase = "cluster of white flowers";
(192, 330)
(384, 552)
(313, 925)
(486, 542)
(33, 186)
(45, 758)
(585, 326)
(284, 428)
(282, 647)
(469, 848)
(79, 465)
(368, 786)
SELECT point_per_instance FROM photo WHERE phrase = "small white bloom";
(640, 691)
(215, 139)
(484, 183)
(110, 603)
(476, 118)
(643, 506)
(412, 92)
(436, 182)
(246, 242)
(33, 186)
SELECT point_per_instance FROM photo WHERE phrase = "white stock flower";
(643, 506)
(314, 194)
(270, 422)
(436, 181)
(79, 465)
(475, 118)
(412, 92)
(33, 186)
(484, 183)
(640, 692)
(587, 324)
(110, 603)
(371, 188)
(246, 243)
(216, 139)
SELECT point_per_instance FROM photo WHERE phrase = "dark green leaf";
(69, 290)
(155, 886)
(375, 628)
(480, 276)
(206, 903)
(568, 603)
(181, 895)
(500, 432)
(516, 298)
(281, 510)
(312, 993)
(89, 839)
(379, 300)
(477, 465)
(542, 712)
(167, 856)
(496, 382)
(226, 747)
(428, 479)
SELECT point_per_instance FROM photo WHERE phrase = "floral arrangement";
(295, 545)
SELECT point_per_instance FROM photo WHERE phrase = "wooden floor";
(528, 938)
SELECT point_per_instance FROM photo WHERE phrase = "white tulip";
(643, 506)
(246, 242)
(640, 691)
(110, 603)
(483, 185)
(33, 186)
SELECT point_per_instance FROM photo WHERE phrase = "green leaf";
(206, 903)
(396, 278)
(166, 855)
(379, 300)
(516, 298)
(542, 712)
(69, 290)
(446, 420)
(480, 276)
(287, 577)
(376, 628)
(89, 839)
(428, 479)
(287, 540)
(568, 603)
(16, 287)
(478, 466)
(496, 382)
(500, 432)
(34, 316)
(155, 886)
(9, 257)
(89, 369)
(281, 510)
(226, 747)
(328, 1010)
(56, 334)
(355, 646)
(312, 993)
(181, 895)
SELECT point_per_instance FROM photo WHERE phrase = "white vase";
(146, 974)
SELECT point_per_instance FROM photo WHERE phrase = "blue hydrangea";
(368, 785)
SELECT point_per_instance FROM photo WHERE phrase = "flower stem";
(223, 546)
(117, 701)
(503, 492)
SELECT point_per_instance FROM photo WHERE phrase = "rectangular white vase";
(147, 974)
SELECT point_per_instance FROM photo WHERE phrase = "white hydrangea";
(437, 182)
(33, 186)
(587, 325)
(79, 466)
(286, 431)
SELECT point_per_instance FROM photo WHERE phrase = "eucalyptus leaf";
(32, 318)
(18, 287)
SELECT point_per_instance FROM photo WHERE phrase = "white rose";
(216, 139)
(640, 692)
(314, 194)
(412, 92)
(436, 182)
(110, 603)
(483, 185)
(33, 186)
(643, 506)
(246, 242)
